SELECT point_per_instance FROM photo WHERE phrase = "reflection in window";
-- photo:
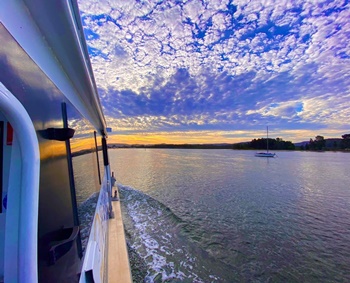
(86, 183)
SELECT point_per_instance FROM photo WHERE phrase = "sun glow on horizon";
(212, 137)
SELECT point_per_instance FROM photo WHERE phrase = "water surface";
(227, 216)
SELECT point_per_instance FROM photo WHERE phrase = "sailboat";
(267, 153)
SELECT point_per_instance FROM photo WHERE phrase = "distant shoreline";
(208, 146)
(196, 146)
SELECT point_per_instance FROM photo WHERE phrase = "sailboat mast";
(267, 140)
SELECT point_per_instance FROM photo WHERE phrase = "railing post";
(108, 175)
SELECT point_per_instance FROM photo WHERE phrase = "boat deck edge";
(118, 259)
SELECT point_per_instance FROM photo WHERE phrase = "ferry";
(50, 112)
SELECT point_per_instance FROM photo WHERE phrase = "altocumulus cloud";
(221, 65)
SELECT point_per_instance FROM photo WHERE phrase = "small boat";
(267, 153)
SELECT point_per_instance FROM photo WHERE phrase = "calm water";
(227, 216)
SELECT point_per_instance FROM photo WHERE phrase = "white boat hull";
(265, 154)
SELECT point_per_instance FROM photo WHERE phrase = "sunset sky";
(220, 71)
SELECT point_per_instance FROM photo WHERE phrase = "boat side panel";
(5, 159)
(43, 101)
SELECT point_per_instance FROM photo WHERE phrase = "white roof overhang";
(51, 33)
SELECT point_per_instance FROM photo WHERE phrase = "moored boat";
(267, 153)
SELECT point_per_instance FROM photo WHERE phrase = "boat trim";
(21, 217)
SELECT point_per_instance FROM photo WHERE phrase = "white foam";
(153, 242)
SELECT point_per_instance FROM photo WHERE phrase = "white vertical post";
(24, 216)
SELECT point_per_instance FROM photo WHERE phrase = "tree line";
(320, 143)
(274, 144)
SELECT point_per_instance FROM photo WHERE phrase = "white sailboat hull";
(265, 154)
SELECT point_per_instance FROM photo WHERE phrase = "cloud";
(220, 65)
(286, 110)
